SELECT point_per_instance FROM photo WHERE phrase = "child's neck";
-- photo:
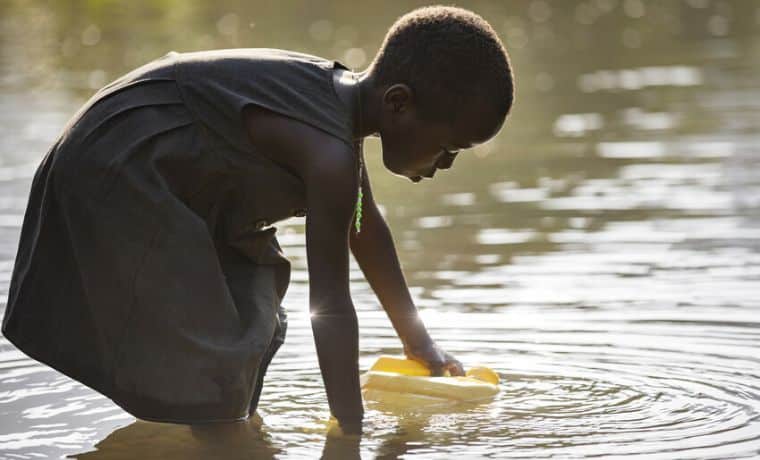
(346, 86)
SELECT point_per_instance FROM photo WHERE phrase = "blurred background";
(601, 253)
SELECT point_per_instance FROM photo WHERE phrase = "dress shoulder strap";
(217, 85)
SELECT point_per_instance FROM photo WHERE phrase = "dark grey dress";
(146, 268)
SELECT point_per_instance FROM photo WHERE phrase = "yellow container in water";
(405, 382)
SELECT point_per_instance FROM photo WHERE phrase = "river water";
(602, 254)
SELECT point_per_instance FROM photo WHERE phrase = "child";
(147, 268)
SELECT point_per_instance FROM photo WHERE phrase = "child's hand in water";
(435, 359)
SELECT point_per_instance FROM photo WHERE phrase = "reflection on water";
(141, 439)
(601, 254)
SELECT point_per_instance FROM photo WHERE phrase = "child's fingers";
(437, 369)
(455, 368)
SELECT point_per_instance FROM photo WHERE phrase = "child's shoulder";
(264, 82)
(253, 55)
(294, 144)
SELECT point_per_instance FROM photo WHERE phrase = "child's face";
(416, 148)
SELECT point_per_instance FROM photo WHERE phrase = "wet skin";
(413, 148)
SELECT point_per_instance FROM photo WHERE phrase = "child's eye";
(448, 153)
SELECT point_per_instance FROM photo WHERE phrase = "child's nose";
(445, 162)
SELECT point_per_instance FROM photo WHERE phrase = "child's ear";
(399, 96)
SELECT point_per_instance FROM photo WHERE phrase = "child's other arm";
(331, 185)
(376, 254)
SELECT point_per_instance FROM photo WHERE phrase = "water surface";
(602, 253)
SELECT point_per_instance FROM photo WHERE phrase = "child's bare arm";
(376, 254)
(331, 192)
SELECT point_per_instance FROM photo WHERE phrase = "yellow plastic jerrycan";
(407, 383)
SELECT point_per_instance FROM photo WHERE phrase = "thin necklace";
(360, 151)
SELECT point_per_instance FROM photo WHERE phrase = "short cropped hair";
(451, 58)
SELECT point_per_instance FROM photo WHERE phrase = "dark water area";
(602, 254)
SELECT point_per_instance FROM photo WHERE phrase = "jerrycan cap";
(483, 373)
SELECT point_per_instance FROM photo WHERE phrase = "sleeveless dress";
(147, 268)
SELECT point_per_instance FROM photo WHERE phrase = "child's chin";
(394, 168)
